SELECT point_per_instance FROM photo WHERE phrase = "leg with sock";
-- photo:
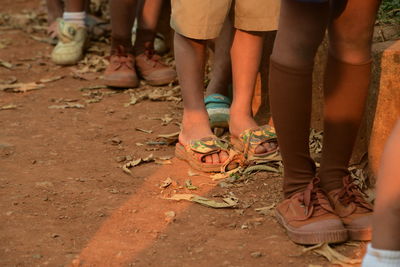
(72, 34)
(385, 248)
(121, 70)
(346, 85)
(148, 64)
(305, 213)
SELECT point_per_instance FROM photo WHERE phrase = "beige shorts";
(203, 19)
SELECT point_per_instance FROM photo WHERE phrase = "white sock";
(381, 258)
(77, 18)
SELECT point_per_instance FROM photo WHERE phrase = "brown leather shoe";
(309, 219)
(121, 71)
(151, 69)
(355, 212)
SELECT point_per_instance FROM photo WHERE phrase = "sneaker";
(151, 69)
(308, 217)
(121, 70)
(71, 43)
(352, 208)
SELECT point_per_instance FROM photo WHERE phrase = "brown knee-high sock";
(345, 92)
(290, 97)
(122, 18)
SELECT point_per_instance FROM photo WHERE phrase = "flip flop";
(204, 147)
(248, 141)
(217, 106)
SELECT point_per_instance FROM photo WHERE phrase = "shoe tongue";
(66, 31)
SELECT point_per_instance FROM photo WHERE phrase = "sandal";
(217, 106)
(249, 139)
(206, 146)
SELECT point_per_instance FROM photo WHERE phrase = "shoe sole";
(160, 82)
(312, 238)
(120, 84)
(360, 234)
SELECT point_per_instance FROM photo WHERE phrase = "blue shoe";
(217, 107)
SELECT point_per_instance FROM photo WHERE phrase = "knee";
(353, 47)
(295, 53)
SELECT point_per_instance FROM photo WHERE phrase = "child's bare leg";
(246, 55)
(54, 10)
(386, 218)
(147, 24)
(123, 15)
(190, 57)
(221, 73)
(75, 6)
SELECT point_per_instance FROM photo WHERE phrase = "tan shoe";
(72, 40)
(308, 217)
(121, 71)
(355, 212)
(151, 69)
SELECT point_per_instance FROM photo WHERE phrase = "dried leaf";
(265, 210)
(144, 130)
(131, 164)
(192, 173)
(21, 87)
(6, 64)
(9, 80)
(228, 202)
(163, 162)
(332, 255)
(94, 87)
(9, 106)
(255, 168)
(223, 175)
(170, 136)
(139, 144)
(67, 105)
(189, 185)
(52, 79)
(167, 182)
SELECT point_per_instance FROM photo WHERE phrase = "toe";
(260, 149)
(215, 158)
(208, 159)
(223, 156)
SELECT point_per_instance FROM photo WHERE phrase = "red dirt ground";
(65, 200)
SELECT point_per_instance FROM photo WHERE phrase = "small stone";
(170, 216)
(120, 159)
(116, 141)
(256, 254)
(37, 256)
(55, 235)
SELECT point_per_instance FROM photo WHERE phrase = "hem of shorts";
(256, 24)
(197, 32)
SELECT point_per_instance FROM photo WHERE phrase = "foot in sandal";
(258, 143)
(199, 147)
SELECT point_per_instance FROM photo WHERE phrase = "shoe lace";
(315, 200)
(151, 57)
(351, 193)
(123, 58)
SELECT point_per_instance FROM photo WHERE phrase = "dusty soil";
(64, 198)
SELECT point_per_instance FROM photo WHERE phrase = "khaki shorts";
(203, 19)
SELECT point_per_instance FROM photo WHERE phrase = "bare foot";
(240, 123)
(194, 127)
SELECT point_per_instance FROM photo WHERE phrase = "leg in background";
(121, 70)
(221, 73)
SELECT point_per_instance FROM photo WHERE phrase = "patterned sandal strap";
(208, 145)
(253, 137)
